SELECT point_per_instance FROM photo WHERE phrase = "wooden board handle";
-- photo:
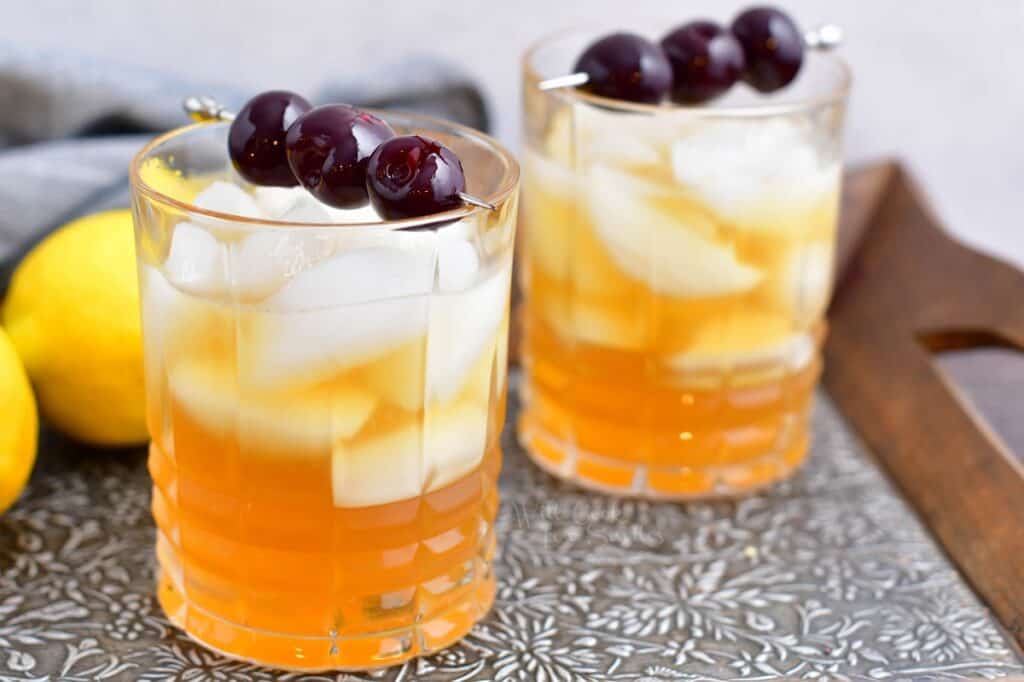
(908, 291)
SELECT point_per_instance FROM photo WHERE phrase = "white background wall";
(939, 83)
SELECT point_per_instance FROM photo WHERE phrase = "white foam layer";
(759, 175)
(669, 252)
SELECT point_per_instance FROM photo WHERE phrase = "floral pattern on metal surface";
(828, 575)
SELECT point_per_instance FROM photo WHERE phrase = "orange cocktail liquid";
(670, 347)
(287, 534)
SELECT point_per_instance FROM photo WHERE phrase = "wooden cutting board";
(907, 290)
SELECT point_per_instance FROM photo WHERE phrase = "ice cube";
(363, 214)
(196, 262)
(295, 204)
(457, 261)
(399, 376)
(362, 275)
(583, 134)
(264, 260)
(455, 440)
(549, 175)
(409, 460)
(743, 339)
(306, 210)
(549, 214)
(462, 327)
(602, 325)
(301, 422)
(308, 345)
(346, 310)
(274, 202)
(622, 139)
(803, 282)
(227, 197)
(383, 469)
(759, 175)
(668, 251)
(159, 299)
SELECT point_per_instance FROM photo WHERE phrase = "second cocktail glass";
(677, 265)
(325, 402)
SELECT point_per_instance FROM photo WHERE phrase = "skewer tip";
(824, 37)
(569, 81)
(201, 108)
(470, 199)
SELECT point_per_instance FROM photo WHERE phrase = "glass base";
(629, 478)
(312, 654)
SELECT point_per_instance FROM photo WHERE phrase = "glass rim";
(835, 94)
(505, 189)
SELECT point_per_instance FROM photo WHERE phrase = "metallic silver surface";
(569, 81)
(475, 201)
(824, 37)
(202, 109)
(826, 576)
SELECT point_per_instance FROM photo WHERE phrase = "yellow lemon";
(18, 425)
(73, 315)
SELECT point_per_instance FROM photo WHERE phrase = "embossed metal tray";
(828, 575)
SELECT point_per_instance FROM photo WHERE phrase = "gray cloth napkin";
(70, 124)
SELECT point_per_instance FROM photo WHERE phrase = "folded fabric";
(70, 125)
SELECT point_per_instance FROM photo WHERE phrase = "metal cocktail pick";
(203, 109)
(824, 37)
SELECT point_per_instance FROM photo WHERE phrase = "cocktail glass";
(677, 266)
(325, 401)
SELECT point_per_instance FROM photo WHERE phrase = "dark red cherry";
(706, 60)
(328, 149)
(256, 137)
(626, 66)
(412, 176)
(773, 47)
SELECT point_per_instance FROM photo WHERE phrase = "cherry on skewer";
(328, 149)
(204, 109)
(769, 42)
(256, 141)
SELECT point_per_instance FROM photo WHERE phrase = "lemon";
(73, 315)
(18, 425)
